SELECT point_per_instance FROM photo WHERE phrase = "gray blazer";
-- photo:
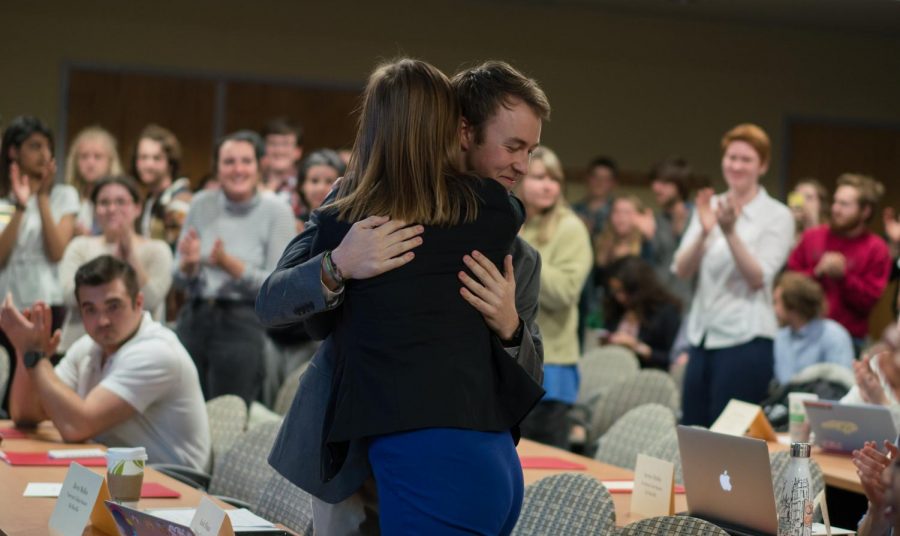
(293, 294)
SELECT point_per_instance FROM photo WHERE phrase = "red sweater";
(852, 297)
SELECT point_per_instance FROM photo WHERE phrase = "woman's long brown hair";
(404, 163)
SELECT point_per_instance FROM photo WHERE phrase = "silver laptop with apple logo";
(728, 481)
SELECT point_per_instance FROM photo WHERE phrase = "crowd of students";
(738, 287)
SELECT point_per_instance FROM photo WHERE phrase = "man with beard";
(850, 262)
(157, 156)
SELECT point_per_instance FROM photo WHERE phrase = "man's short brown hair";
(283, 126)
(483, 89)
(802, 295)
(869, 190)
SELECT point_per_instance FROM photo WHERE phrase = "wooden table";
(598, 470)
(837, 468)
(27, 516)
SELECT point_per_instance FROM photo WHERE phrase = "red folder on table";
(549, 462)
(43, 458)
(153, 490)
(12, 433)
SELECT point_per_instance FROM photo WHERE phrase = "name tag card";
(210, 520)
(654, 487)
(81, 500)
(740, 418)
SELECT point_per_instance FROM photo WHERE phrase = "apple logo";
(725, 481)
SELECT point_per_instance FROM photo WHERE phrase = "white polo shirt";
(725, 310)
(154, 373)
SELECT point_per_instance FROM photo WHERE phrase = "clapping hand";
(19, 184)
(891, 225)
(704, 209)
(832, 264)
(870, 466)
(189, 250)
(29, 329)
(870, 388)
(727, 214)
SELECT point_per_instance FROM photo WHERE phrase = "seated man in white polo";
(128, 382)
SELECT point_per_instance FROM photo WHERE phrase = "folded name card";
(77, 504)
(654, 486)
(739, 418)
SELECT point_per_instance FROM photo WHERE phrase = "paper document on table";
(42, 489)
(64, 454)
(818, 529)
(242, 520)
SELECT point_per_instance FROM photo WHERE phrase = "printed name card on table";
(210, 520)
(81, 501)
(739, 418)
(654, 487)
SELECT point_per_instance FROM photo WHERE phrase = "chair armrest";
(185, 475)
(237, 503)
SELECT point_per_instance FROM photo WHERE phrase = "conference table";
(28, 516)
(600, 471)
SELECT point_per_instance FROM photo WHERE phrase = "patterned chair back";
(635, 432)
(567, 503)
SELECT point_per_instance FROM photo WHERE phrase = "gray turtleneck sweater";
(256, 232)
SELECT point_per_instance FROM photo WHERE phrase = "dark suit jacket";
(292, 294)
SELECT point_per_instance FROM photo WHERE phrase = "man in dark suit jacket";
(497, 142)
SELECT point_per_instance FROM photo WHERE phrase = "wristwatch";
(32, 357)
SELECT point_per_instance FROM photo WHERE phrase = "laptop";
(728, 481)
(134, 522)
(845, 427)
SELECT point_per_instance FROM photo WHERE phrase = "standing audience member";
(318, 171)
(850, 262)
(736, 243)
(594, 209)
(564, 244)
(809, 203)
(155, 163)
(219, 326)
(127, 383)
(40, 222)
(627, 233)
(93, 155)
(641, 314)
(670, 180)
(118, 205)
(284, 147)
(805, 337)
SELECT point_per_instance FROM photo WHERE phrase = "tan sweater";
(566, 259)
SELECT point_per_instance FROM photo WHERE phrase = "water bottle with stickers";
(795, 495)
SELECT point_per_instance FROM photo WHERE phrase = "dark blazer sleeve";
(527, 270)
(293, 292)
